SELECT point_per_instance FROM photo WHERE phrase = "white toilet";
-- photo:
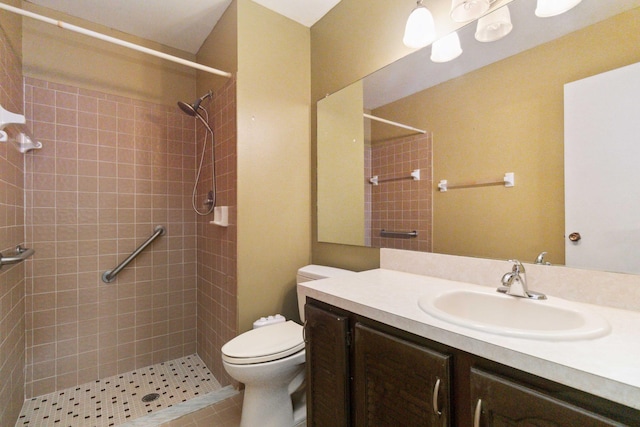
(269, 361)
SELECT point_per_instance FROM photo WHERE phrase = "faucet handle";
(516, 285)
(517, 266)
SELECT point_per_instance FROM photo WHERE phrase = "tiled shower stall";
(12, 232)
(110, 170)
(400, 203)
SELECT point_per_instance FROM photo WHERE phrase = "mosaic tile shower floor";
(145, 397)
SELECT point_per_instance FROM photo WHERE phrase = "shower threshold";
(182, 386)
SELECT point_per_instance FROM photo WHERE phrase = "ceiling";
(182, 24)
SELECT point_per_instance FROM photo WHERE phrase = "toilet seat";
(264, 344)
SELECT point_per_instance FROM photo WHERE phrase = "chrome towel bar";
(414, 175)
(20, 255)
(401, 234)
(110, 275)
(508, 180)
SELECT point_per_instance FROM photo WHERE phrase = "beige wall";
(65, 57)
(274, 197)
(270, 54)
(532, 119)
(508, 117)
(357, 37)
(341, 166)
(219, 50)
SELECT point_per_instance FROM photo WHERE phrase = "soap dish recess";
(221, 216)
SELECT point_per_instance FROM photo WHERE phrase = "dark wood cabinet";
(397, 382)
(364, 373)
(373, 380)
(501, 402)
(327, 357)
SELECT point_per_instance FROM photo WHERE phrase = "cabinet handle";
(304, 332)
(476, 415)
(434, 403)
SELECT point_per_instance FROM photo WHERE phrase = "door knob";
(574, 237)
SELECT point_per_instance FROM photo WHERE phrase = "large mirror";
(497, 109)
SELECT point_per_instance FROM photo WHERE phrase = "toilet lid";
(264, 344)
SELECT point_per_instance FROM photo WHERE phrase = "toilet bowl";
(269, 361)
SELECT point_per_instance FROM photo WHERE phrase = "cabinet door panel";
(395, 382)
(509, 404)
(327, 368)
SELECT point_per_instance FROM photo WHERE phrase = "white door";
(602, 171)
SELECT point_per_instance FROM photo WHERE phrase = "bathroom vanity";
(374, 357)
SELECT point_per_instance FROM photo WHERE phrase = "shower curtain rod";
(113, 40)
(392, 123)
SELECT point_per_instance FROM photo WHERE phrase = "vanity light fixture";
(547, 8)
(468, 10)
(494, 25)
(420, 30)
(446, 49)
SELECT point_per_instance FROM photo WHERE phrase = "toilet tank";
(316, 272)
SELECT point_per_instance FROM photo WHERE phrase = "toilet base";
(270, 409)
(273, 395)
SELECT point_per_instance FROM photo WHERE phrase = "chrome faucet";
(540, 259)
(515, 283)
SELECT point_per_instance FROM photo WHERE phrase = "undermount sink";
(501, 314)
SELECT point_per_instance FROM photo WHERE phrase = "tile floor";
(148, 396)
(223, 414)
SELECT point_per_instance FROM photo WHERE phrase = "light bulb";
(420, 29)
(547, 8)
(446, 49)
(494, 26)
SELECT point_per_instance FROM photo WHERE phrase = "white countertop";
(608, 367)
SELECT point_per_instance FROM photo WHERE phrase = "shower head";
(192, 109)
(187, 108)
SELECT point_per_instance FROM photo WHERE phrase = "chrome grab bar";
(110, 275)
(402, 234)
(20, 255)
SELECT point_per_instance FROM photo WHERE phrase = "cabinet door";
(327, 357)
(499, 402)
(399, 383)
